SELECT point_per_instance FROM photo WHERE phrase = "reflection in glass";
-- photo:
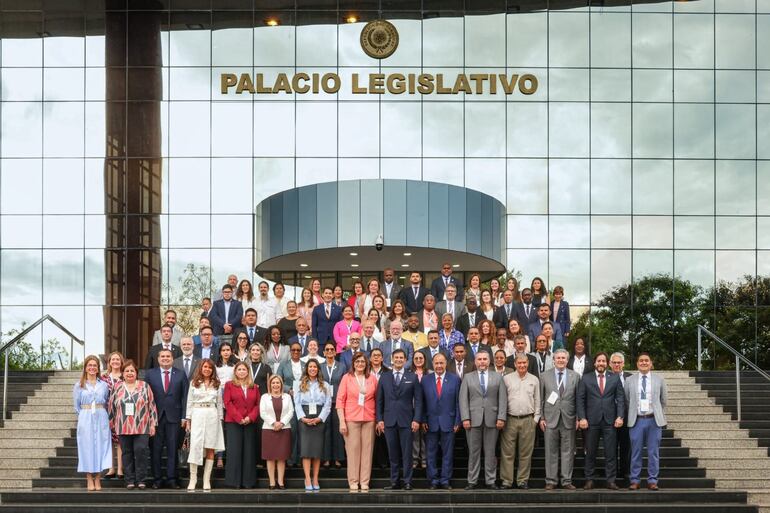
(693, 131)
(694, 232)
(610, 186)
(694, 40)
(568, 181)
(735, 40)
(735, 182)
(652, 45)
(736, 128)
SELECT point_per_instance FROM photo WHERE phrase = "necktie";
(446, 281)
(415, 289)
(483, 381)
(302, 342)
(398, 378)
(251, 333)
(601, 383)
(438, 386)
(366, 345)
(166, 381)
(527, 310)
(508, 310)
(475, 348)
(328, 311)
(644, 387)
(460, 369)
(187, 366)
(561, 382)
(452, 308)
(472, 318)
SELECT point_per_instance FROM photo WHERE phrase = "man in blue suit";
(439, 285)
(441, 420)
(169, 388)
(354, 346)
(399, 409)
(543, 318)
(396, 342)
(600, 410)
(226, 313)
(325, 316)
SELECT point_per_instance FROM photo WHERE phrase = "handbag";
(184, 450)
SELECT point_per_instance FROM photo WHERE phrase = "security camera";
(379, 243)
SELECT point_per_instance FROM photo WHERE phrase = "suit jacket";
(463, 323)
(441, 413)
(336, 378)
(172, 402)
(323, 328)
(394, 291)
(429, 360)
(501, 318)
(451, 366)
(217, 316)
(346, 357)
(284, 370)
(442, 308)
(589, 366)
(399, 406)
(535, 328)
(176, 336)
(483, 409)
(594, 406)
(214, 355)
(658, 396)
(562, 317)
(438, 286)
(471, 358)
(532, 368)
(524, 319)
(237, 406)
(151, 361)
(387, 351)
(407, 296)
(194, 361)
(260, 334)
(563, 410)
(274, 360)
(295, 338)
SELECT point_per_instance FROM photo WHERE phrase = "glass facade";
(643, 151)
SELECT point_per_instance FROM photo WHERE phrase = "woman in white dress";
(204, 422)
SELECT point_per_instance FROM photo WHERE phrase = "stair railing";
(738, 359)
(6, 348)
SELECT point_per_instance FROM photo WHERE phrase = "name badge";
(361, 398)
(552, 398)
(128, 409)
(644, 405)
(387, 302)
(312, 409)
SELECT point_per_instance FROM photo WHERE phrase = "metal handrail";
(738, 359)
(5, 348)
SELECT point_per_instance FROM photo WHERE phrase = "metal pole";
(72, 346)
(5, 385)
(699, 347)
(738, 384)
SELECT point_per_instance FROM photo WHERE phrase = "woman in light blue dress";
(90, 397)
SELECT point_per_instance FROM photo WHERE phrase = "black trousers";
(241, 463)
(380, 457)
(136, 452)
(591, 441)
(334, 444)
(166, 435)
(624, 452)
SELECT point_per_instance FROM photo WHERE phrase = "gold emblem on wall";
(379, 39)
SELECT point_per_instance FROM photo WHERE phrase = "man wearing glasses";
(354, 346)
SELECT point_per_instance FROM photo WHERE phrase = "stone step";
(24, 452)
(16, 430)
(61, 417)
(747, 443)
(30, 444)
(691, 403)
(50, 409)
(728, 453)
(743, 473)
(718, 429)
(15, 484)
(696, 415)
(690, 409)
(740, 483)
(18, 474)
(28, 463)
(718, 464)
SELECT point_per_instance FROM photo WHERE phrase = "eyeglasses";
(329, 350)
(295, 350)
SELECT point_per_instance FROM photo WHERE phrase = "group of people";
(389, 374)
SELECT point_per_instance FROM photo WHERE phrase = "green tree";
(185, 297)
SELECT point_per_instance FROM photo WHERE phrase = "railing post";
(738, 384)
(700, 348)
(5, 385)
(72, 347)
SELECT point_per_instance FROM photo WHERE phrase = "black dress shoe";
(408, 487)
(589, 485)
(433, 487)
(446, 486)
(471, 486)
(506, 487)
(523, 486)
(392, 487)
(612, 486)
(174, 485)
(156, 485)
(494, 487)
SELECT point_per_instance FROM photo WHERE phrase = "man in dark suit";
(473, 346)
(438, 287)
(303, 334)
(188, 362)
(389, 286)
(600, 410)
(254, 332)
(526, 313)
(459, 365)
(169, 388)
(543, 318)
(166, 332)
(471, 317)
(354, 346)
(441, 420)
(207, 349)
(226, 313)
(450, 305)
(399, 410)
(506, 311)
(432, 349)
(617, 362)
(413, 295)
(520, 347)
(325, 316)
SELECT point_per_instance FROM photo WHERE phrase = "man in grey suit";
(188, 362)
(483, 410)
(558, 394)
(396, 342)
(450, 305)
(389, 286)
(646, 395)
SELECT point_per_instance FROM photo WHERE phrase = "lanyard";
(329, 372)
(254, 373)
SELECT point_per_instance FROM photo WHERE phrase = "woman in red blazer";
(241, 400)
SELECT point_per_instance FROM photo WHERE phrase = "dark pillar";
(132, 179)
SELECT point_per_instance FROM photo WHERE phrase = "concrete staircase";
(731, 456)
(41, 419)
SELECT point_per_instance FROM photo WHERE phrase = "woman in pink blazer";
(345, 327)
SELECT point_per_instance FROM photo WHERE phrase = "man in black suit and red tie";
(600, 410)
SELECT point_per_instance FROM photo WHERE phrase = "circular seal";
(379, 39)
